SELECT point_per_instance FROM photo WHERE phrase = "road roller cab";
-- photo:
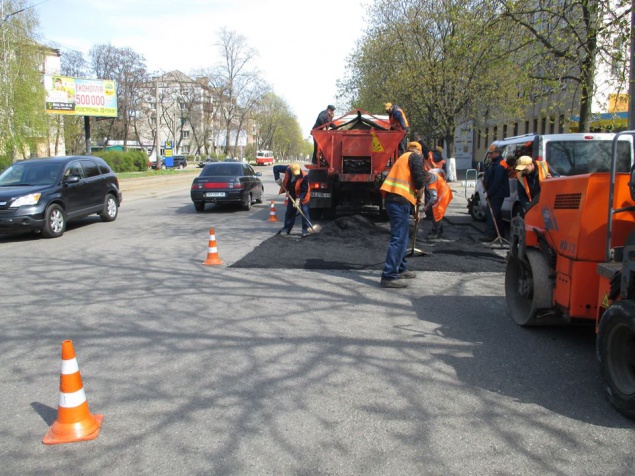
(572, 260)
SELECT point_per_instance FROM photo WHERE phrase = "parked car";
(567, 154)
(176, 161)
(204, 162)
(227, 182)
(42, 195)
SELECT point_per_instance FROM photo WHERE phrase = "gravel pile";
(359, 243)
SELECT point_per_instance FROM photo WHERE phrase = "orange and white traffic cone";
(74, 421)
(212, 251)
(272, 212)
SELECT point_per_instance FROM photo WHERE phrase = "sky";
(302, 46)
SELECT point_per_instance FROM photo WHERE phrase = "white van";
(566, 154)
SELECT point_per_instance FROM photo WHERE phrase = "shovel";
(416, 251)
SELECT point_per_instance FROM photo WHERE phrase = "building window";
(495, 133)
(543, 125)
(552, 125)
(535, 126)
(515, 128)
(526, 127)
(185, 134)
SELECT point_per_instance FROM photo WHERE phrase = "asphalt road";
(238, 370)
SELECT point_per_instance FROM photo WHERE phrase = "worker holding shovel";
(296, 185)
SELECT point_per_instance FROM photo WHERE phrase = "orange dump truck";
(355, 153)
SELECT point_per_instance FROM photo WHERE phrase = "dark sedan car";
(43, 194)
(227, 182)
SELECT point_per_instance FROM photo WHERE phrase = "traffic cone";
(272, 212)
(212, 251)
(74, 421)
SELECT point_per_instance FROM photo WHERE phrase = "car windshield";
(585, 157)
(222, 170)
(31, 173)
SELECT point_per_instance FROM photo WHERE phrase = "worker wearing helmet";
(440, 196)
(398, 122)
(402, 188)
(323, 118)
(296, 185)
(530, 174)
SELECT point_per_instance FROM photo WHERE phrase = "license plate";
(215, 194)
(320, 195)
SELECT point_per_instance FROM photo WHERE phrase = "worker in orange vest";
(530, 173)
(398, 122)
(440, 198)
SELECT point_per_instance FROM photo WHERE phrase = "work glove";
(279, 181)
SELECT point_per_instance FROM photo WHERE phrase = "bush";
(129, 161)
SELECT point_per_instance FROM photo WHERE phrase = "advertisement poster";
(80, 97)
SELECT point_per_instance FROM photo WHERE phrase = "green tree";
(442, 61)
(74, 65)
(571, 40)
(277, 128)
(22, 96)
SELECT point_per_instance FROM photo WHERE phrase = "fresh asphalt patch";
(360, 243)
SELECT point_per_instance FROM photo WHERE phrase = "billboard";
(80, 97)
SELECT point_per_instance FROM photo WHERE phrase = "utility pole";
(157, 144)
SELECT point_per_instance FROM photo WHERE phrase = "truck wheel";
(528, 289)
(54, 222)
(615, 353)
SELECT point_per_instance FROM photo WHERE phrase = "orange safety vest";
(399, 180)
(429, 163)
(394, 123)
(444, 194)
(298, 183)
(543, 172)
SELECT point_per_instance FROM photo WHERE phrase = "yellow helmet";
(388, 106)
(295, 168)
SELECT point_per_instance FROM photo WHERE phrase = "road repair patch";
(358, 243)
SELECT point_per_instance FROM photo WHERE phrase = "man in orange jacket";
(440, 197)
(531, 173)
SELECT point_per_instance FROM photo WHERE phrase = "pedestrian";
(440, 198)
(402, 189)
(296, 185)
(530, 175)
(398, 122)
(324, 117)
(496, 184)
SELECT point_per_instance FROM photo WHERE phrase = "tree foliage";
(440, 60)
(571, 40)
(22, 116)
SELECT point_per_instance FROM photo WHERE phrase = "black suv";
(178, 162)
(43, 194)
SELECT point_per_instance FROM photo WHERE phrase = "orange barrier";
(212, 251)
(74, 421)
(272, 212)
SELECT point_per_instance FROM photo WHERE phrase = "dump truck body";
(355, 153)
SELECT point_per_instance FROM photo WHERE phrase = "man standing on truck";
(398, 122)
(402, 189)
(296, 185)
(530, 175)
(496, 183)
(324, 117)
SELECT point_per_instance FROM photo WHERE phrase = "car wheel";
(476, 210)
(262, 192)
(247, 204)
(111, 209)
(199, 206)
(55, 222)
